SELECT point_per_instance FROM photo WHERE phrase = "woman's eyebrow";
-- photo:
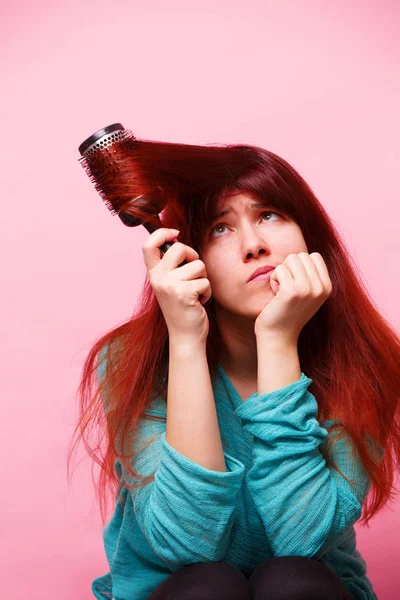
(252, 206)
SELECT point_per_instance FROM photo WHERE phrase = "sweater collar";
(230, 388)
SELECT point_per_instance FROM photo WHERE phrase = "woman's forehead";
(232, 198)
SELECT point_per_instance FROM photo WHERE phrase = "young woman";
(262, 412)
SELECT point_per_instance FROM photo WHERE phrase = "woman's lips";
(262, 277)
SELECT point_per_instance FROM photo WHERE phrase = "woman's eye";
(270, 212)
(267, 212)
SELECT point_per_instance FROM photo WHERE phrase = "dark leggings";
(279, 578)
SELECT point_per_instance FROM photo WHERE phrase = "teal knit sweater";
(276, 498)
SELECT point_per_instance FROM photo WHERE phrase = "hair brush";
(108, 156)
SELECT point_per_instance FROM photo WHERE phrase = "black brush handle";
(168, 245)
(164, 248)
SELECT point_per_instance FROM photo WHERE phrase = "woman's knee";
(208, 581)
(286, 577)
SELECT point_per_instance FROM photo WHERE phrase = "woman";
(261, 412)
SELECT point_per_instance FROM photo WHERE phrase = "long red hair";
(348, 349)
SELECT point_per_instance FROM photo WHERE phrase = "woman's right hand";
(178, 288)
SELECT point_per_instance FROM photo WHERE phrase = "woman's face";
(237, 244)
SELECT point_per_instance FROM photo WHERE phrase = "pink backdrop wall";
(317, 83)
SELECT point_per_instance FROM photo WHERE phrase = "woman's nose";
(253, 242)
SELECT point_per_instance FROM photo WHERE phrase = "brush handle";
(168, 245)
(153, 227)
(164, 248)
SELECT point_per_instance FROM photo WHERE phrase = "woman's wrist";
(275, 339)
(185, 346)
(278, 364)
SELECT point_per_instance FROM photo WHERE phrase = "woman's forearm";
(192, 424)
(278, 364)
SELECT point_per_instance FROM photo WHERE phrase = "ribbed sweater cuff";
(174, 464)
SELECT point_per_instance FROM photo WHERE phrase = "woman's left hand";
(301, 285)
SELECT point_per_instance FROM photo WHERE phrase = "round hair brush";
(109, 157)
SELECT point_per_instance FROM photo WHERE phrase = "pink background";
(317, 83)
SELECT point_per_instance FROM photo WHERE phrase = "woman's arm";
(192, 424)
(278, 363)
